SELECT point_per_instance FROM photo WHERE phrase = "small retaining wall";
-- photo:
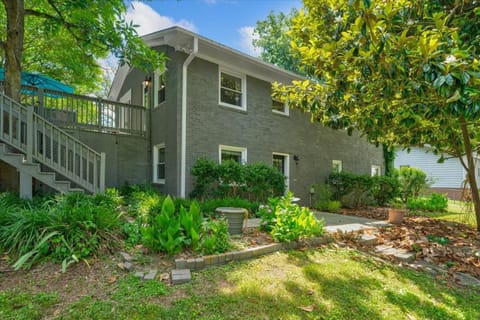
(250, 253)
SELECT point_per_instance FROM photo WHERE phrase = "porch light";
(147, 81)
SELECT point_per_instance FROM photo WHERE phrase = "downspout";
(183, 142)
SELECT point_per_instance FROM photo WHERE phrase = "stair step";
(76, 190)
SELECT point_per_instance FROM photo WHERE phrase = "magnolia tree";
(70, 35)
(405, 73)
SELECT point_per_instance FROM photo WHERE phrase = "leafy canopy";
(65, 38)
(272, 36)
(403, 72)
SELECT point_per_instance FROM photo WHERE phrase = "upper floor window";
(279, 107)
(232, 91)
(237, 154)
(337, 166)
(159, 83)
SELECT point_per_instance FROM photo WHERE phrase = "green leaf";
(455, 97)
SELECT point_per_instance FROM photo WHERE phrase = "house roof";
(182, 40)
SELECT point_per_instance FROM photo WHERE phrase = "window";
(376, 170)
(159, 163)
(279, 107)
(337, 166)
(232, 90)
(159, 83)
(281, 162)
(232, 153)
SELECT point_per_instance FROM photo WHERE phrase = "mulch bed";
(453, 245)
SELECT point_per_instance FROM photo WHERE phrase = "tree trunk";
(15, 10)
(471, 170)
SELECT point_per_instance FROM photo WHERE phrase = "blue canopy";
(40, 81)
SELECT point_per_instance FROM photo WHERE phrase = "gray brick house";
(215, 102)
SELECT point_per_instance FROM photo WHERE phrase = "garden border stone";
(249, 253)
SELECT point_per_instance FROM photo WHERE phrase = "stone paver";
(150, 275)
(126, 257)
(180, 276)
(367, 240)
(128, 266)
(398, 254)
(467, 280)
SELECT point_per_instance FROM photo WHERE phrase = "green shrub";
(215, 237)
(350, 189)
(144, 203)
(162, 232)
(411, 182)
(384, 189)
(65, 228)
(206, 176)
(191, 222)
(267, 214)
(262, 182)
(255, 182)
(293, 222)
(171, 230)
(328, 205)
(322, 192)
(434, 202)
(354, 190)
(131, 233)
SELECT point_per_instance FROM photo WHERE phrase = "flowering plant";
(267, 214)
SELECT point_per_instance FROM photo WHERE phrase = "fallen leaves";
(453, 245)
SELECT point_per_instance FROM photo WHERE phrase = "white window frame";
(243, 79)
(286, 109)
(155, 163)
(374, 168)
(156, 76)
(340, 165)
(242, 150)
(286, 168)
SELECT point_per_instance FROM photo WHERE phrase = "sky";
(230, 22)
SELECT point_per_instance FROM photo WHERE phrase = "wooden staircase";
(39, 149)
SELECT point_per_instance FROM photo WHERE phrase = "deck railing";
(40, 140)
(87, 113)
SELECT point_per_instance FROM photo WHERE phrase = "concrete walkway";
(337, 222)
(340, 222)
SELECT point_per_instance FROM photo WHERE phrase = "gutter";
(183, 142)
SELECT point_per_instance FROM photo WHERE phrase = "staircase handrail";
(85, 112)
(46, 143)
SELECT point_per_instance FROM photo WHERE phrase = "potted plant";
(396, 213)
(236, 218)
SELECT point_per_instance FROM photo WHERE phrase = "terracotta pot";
(395, 216)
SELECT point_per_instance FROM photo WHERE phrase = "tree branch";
(61, 19)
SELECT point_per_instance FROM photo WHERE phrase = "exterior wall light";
(296, 158)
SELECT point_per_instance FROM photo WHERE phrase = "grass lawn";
(458, 211)
(316, 284)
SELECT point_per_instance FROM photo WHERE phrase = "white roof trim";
(182, 40)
